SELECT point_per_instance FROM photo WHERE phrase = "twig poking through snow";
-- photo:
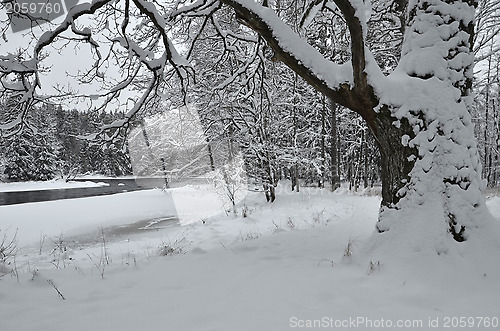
(348, 248)
(51, 282)
(373, 266)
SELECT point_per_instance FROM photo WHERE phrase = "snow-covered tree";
(28, 152)
(19, 153)
(418, 114)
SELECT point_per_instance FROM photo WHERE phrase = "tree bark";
(321, 182)
(334, 155)
(395, 164)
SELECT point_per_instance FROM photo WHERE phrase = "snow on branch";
(289, 45)
(346, 84)
(11, 64)
(487, 29)
(197, 8)
(158, 20)
(354, 14)
(79, 10)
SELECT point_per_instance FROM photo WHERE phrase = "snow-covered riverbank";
(302, 261)
(48, 185)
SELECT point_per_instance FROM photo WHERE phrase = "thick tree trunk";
(432, 175)
(430, 162)
(396, 158)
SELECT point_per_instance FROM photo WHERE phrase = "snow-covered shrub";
(59, 252)
(230, 182)
(170, 248)
(8, 250)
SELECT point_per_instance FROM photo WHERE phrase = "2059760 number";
(26, 14)
(33, 8)
(470, 322)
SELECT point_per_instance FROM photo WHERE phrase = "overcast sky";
(68, 60)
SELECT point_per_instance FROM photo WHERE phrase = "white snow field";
(305, 262)
(48, 185)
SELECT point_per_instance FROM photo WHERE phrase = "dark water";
(115, 186)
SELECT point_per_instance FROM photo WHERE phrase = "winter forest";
(285, 127)
(49, 147)
(366, 129)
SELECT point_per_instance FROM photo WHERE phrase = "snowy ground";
(48, 185)
(286, 266)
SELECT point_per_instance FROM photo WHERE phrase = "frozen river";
(114, 186)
